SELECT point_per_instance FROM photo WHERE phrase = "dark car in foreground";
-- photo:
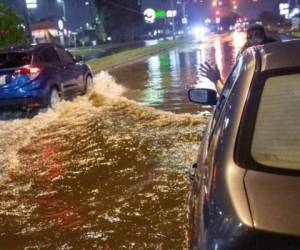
(39, 76)
(246, 184)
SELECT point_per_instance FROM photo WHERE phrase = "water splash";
(101, 169)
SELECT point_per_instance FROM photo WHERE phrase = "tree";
(11, 28)
(122, 19)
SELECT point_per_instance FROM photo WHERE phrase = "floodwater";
(162, 81)
(108, 170)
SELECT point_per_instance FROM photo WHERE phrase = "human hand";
(210, 72)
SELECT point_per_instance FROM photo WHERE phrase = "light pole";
(90, 4)
(173, 20)
(184, 16)
(62, 25)
(29, 5)
(62, 2)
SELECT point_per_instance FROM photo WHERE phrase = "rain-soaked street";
(109, 170)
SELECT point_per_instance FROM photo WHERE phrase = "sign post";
(61, 27)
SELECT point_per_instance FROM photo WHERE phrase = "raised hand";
(210, 72)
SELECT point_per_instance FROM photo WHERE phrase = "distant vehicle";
(245, 192)
(242, 25)
(200, 33)
(39, 76)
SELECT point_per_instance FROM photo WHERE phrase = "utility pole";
(64, 23)
(184, 15)
(64, 10)
(28, 24)
(173, 20)
(26, 9)
(62, 2)
(90, 4)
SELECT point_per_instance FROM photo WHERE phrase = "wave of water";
(101, 170)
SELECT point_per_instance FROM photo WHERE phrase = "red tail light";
(31, 71)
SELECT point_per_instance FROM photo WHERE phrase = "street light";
(90, 5)
(62, 2)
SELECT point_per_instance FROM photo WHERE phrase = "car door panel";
(53, 70)
(69, 75)
(203, 186)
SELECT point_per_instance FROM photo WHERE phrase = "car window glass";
(65, 56)
(13, 60)
(276, 138)
(226, 91)
(232, 79)
(49, 55)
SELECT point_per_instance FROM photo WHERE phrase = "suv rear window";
(14, 60)
(49, 55)
(276, 138)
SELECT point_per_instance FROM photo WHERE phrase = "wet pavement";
(162, 81)
(108, 171)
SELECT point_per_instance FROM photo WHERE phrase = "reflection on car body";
(246, 184)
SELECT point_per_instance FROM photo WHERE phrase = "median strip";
(130, 56)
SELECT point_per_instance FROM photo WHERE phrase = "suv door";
(218, 120)
(73, 70)
(204, 173)
(52, 70)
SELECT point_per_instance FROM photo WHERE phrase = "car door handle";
(192, 171)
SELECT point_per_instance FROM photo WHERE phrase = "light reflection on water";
(163, 80)
(106, 171)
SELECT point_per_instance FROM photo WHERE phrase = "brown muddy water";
(104, 171)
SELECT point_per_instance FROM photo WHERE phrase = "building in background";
(49, 30)
(80, 15)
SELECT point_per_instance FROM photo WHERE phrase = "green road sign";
(160, 14)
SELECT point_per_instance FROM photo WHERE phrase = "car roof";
(279, 55)
(28, 48)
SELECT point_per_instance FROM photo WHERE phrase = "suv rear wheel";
(88, 84)
(54, 97)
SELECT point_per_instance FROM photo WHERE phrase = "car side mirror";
(78, 58)
(203, 96)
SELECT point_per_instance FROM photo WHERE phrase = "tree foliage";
(122, 19)
(11, 31)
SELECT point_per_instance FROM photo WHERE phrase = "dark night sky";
(246, 7)
(251, 9)
(76, 10)
(78, 13)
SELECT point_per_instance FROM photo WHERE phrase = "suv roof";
(280, 55)
(28, 48)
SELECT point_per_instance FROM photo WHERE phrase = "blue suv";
(39, 76)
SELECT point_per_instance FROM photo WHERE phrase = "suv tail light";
(31, 71)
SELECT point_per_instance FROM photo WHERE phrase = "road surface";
(109, 169)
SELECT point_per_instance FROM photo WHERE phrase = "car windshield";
(276, 139)
(14, 60)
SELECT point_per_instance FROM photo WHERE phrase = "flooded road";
(162, 81)
(108, 171)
